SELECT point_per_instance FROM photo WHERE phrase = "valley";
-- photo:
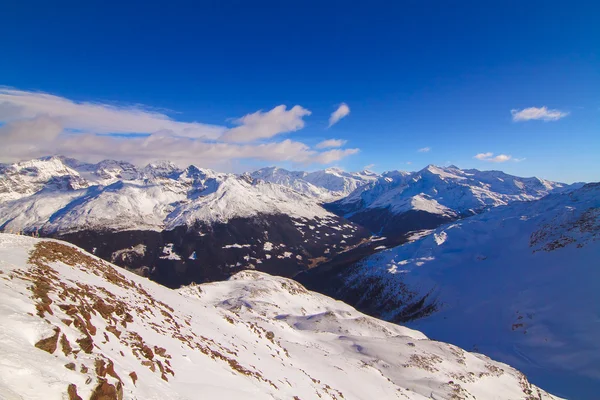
(426, 250)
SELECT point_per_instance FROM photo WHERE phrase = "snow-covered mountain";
(116, 196)
(74, 326)
(399, 202)
(326, 185)
(181, 225)
(520, 283)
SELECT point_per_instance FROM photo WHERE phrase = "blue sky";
(414, 74)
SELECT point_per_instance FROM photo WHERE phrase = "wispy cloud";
(424, 150)
(342, 111)
(38, 124)
(16, 105)
(329, 143)
(491, 158)
(369, 167)
(537, 113)
(327, 157)
(264, 125)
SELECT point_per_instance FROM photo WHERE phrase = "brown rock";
(133, 376)
(106, 391)
(72, 392)
(86, 344)
(49, 344)
(65, 345)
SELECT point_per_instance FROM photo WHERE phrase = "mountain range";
(176, 225)
(493, 263)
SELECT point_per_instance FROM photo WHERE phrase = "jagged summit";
(326, 185)
(443, 193)
(175, 225)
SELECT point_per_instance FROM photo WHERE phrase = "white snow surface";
(520, 283)
(326, 185)
(252, 337)
(55, 194)
(59, 194)
(447, 191)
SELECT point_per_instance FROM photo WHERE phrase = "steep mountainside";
(179, 226)
(327, 185)
(400, 202)
(77, 327)
(520, 283)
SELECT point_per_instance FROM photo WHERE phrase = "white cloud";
(490, 157)
(330, 156)
(38, 124)
(369, 167)
(408, 162)
(95, 117)
(329, 143)
(535, 113)
(264, 125)
(483, 156)
(424, 150)
(342, 111)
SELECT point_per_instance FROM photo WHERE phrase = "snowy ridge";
(26, 178)
(527, 273)
(76, 327)
(327, 185)
(445, 191)
(117, 196)
(235, 197)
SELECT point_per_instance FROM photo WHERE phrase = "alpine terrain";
(520, 283)
(178, 226)
(399, 202)
(77, 327)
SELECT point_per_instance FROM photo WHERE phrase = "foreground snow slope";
(520, 283)
(74, 326)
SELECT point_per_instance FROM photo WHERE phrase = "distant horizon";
(184, 166)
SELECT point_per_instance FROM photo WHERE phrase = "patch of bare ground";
(50, 343)
(458, 392)
(107, 391)
(530, 392)
(333, 393)
(77, 304)
(72, 392)
(552, 236)
(425, 361)
(133, 377)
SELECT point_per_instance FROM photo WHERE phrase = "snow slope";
(117, 196)
(460, 191)
(326, 185)
(74, 326)
(399, 202)
(520, 283)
